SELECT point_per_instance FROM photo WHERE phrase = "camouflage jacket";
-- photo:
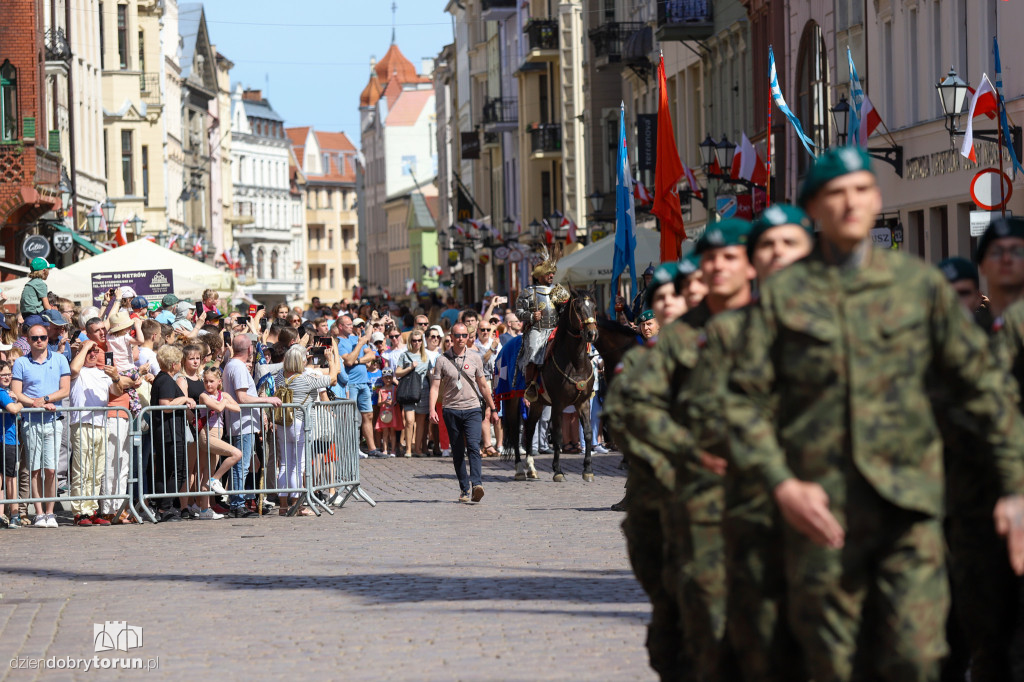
(658, 413)
(846, 354)
(616, 412)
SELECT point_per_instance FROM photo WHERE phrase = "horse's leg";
(583, 407)
(535, 414)
(556, 438)
(527, 443)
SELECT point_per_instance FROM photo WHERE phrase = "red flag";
(549, 234)
(694, 187)
(121, 236)
(567, 222)
(869, 120)
(198, 248)
(747, 163)
(668, 171)
(640, 192)
(172, 241)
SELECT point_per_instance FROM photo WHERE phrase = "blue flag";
(625, 219)
(857, 95)
(1007, 138)
(780, 102)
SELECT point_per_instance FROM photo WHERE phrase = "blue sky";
(316, 53)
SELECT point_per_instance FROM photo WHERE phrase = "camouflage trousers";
(695, 560)
(645, 545)
(875, 609)
(987, 599)
(756, 625)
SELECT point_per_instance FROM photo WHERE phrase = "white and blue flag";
(780, 102)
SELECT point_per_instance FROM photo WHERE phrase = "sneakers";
(40, 521)
(217, 487)
(81, 520)
(4, 521)
(600, 449)
(193, 510)
(478, 493)
(446, 452)
(209, 515)
(170, 515)
(362, 455)
(51, 521)
(98, 520)
(185, 513)
(242, 513)
(15, 523)
(377, 454)
(464, 498)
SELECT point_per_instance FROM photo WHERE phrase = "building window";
(260, 255)
(142, 52)
(126, 163)
(145, 175)
(122, 35)
(332, 278)
(8, 102)
(102, 45)
(812, 97)
(273, 264)
(330, 240)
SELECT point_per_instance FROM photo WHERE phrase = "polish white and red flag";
(694, 187)
(549, 234)
(984, 101)
(747, 163)
(172, 241)
(641, 193)
(121, 236)
(869, 120)
(197, 249)
(570, 224)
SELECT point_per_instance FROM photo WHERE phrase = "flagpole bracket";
(688, 195)
(993, 137)
(891, 155)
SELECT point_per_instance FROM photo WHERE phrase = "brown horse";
(567, 377)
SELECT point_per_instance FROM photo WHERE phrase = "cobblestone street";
(532, 583)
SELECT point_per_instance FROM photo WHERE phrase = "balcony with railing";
(682, 20)
(47, 167)
(542, 40)
(546, 140)
(501, 113)
(149, 87)
(56, 45)
(609, 41)
(497, 10)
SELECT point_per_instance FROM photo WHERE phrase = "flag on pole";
(780, 102)
(197, 249)
(172, 241)
(549, 234)
(984, 101)
(668, 171)
(869, 120)
(570, 224)
(640, 192)
(694, 187)
(121, 236)
(1004, 124)
(857, 95)
(625, 219)
(747, 163)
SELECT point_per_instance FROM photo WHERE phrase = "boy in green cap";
(35, 295)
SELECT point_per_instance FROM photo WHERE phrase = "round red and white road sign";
(991, 189)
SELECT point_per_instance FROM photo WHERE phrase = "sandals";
(489, 451)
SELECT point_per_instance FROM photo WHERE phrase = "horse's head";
(585, 315)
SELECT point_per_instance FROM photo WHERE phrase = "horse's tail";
(511, 423)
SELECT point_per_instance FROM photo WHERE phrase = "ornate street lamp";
(137, 224)
(725, 150)
(952, 95)
(535, 227)
(707, 151)
(840, 119)
(93, 219)
(596, 201)
(108, 207)
(508, 229)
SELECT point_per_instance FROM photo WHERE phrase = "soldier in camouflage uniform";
(827, 403)
(981, 578)
(694, 552)
(648, 484)
(756, 624)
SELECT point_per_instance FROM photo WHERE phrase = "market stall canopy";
(593, 263)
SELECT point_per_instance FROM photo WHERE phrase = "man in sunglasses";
(42, 379)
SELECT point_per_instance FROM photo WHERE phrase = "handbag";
(409, 389)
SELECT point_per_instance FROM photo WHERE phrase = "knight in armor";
(641, 296)
(537, 308)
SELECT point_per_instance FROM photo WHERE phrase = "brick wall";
(21, 42)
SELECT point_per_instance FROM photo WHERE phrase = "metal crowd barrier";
(163, 454)
(100, 471)
(333, 441)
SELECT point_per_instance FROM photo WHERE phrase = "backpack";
(284, 415)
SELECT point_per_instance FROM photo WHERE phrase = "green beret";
(728, 232)
(999, 228)
(646, 315)
(956, 269)
(832, 164)
(663, 274)
(777, 215)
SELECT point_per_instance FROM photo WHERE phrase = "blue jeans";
(464, 436)
(240, 470)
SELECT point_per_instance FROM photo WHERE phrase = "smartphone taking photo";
(108, 358)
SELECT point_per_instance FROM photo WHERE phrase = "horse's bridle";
(573, 311)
